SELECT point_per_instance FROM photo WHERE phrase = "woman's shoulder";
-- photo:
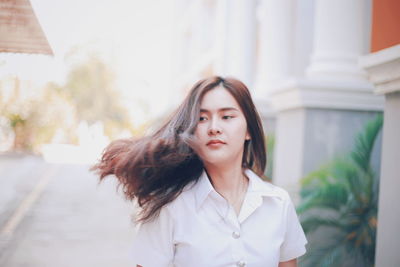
(182, 199)
(276, 188)
(266, 187)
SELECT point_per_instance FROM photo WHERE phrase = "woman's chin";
(219, 161)
(221, 158)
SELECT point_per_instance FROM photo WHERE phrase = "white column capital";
(383, 69)
(347, 95)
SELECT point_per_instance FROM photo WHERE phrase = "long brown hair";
(155, 169)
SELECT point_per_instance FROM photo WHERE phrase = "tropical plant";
(339, 206)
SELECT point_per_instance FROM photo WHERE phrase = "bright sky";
(133, 35)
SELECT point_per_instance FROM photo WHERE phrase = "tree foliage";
(89, 94)
(33, 120)
(91, 88)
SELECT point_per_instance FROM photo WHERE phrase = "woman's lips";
(215, 143)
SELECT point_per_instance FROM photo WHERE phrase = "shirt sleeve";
(153, 243)
(295, 240)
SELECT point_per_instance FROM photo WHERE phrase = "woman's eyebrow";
(219, 110)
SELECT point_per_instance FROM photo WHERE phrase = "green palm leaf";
(325, 254)
(331, 196)
(361, 154)
(346, 189)
(312, 223)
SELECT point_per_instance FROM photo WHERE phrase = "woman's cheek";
(199, 134)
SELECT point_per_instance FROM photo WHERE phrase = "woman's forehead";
(218, 99)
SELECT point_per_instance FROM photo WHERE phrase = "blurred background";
(75, 75)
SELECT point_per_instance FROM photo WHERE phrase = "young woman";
(197, 182)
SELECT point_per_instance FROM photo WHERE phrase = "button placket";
(237, 244)
(231, 221)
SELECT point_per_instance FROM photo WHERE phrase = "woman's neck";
(230, 182)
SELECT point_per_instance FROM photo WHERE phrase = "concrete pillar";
(221, 25)
(276, 42)
(275, 54)
(384, 70)
(240, 41)
(319, 115)
(338, 40)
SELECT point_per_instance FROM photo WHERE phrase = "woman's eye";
(202, 118)
(227, 117)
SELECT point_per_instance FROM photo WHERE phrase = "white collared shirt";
(201, 229)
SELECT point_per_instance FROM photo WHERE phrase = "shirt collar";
(202, 189)
(257, 186)
(261, 187)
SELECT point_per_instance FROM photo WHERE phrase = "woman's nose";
(214, 128)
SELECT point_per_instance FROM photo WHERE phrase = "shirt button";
(236, 235)
(240, 264)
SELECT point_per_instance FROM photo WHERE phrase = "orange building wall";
(385, 24)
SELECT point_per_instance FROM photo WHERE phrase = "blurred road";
(57, 215)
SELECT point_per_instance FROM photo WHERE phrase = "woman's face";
(222, 129)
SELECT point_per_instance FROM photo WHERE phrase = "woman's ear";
(247, 138)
